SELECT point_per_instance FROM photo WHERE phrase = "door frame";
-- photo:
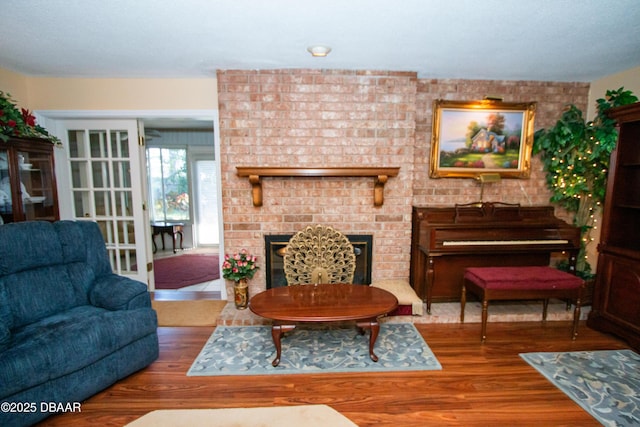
(50, 119)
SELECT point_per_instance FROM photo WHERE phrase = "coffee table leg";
(276, 332)
(374, 327)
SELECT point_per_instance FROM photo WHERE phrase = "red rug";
(184, 270)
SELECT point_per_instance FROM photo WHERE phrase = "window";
(168, 184)
(205, 203)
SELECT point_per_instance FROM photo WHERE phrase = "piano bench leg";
(485, 316)
(576, 320)
(463, 303)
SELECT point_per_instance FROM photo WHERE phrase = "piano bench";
(521, 283)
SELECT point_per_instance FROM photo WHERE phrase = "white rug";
(278, 416)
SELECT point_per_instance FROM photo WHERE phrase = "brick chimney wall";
(353, 118)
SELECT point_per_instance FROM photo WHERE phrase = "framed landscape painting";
(472, 138)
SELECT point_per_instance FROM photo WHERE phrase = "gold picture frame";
(474, 138)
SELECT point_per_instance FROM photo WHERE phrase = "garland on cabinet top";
(19, 122)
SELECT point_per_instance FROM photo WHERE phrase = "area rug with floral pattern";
(249, 350)
(606, 384)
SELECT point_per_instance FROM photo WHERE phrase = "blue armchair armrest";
(115, 292)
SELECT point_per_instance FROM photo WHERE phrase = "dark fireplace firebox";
(275, 245)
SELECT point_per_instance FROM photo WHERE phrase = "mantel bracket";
(380, 175)
(256, 189)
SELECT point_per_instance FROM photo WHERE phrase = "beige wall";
(16, 85)
(122, 94)
(629, 79)
(37, 93)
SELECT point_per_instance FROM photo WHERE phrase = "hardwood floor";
(479, 385)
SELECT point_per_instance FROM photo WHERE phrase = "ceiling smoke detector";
(319, 51)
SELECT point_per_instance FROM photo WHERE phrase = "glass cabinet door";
(36, 185)
(27, 181)
(6, 206)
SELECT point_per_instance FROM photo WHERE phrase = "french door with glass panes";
(106, 185)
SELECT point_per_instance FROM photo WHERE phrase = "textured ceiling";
(550, 40)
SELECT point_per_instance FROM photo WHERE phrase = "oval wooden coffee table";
(289, 305)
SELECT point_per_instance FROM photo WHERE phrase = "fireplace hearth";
(276, 244)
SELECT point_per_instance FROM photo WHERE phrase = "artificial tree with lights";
(575, 155)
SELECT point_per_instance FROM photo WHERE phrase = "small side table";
(161, 228)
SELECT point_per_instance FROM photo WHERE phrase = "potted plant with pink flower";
(240, 267)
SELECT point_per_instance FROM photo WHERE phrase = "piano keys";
(446, 240)
(503, 242)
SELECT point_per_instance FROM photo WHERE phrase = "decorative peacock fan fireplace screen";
(276, 245)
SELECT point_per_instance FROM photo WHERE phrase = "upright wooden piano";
(446, 240)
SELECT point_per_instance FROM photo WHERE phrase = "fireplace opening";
(276, 244)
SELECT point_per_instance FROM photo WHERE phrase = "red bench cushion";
(521, 278)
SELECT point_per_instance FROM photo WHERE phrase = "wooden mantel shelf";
(380, 176)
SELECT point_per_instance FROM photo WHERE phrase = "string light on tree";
(575, 155)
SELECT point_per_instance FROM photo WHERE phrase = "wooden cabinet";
(27, 181)
(616, 299)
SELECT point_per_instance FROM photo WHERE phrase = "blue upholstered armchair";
(69, 327)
